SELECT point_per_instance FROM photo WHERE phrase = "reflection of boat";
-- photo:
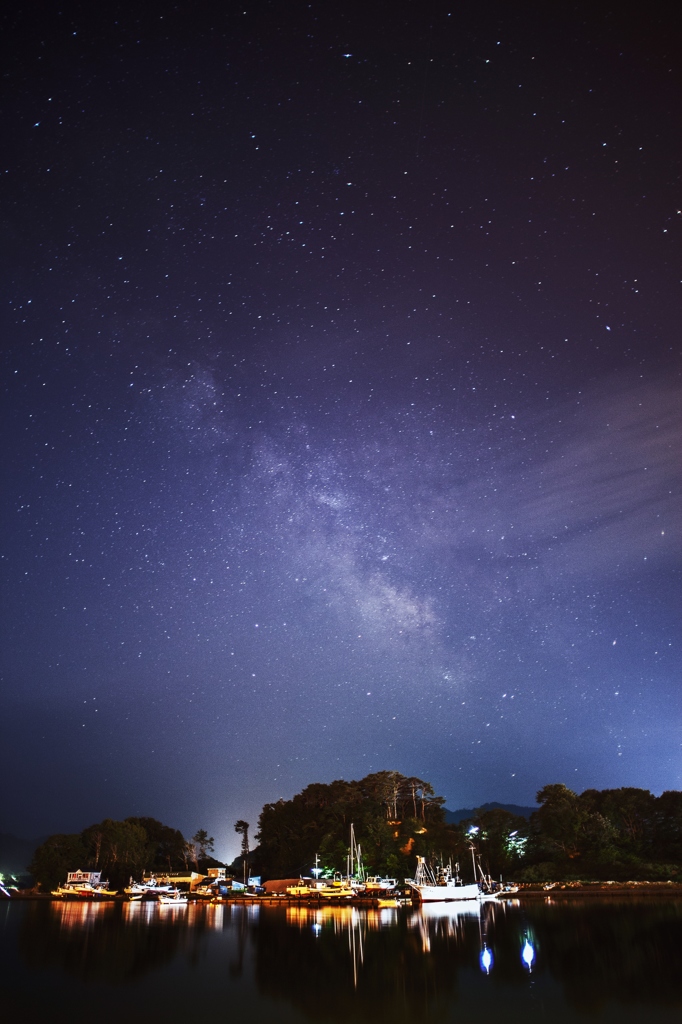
(440, 918)
(453, 911)
(81, 915)
(428, 887)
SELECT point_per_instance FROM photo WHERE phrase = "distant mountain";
(16, 854)
(454, 817)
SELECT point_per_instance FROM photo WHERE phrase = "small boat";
(336, 891)
(489, 890)
(302, 888)
(173, 899)
(375, 883)
(137, 890)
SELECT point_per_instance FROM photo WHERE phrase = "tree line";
(611, 833)
(120, 849)
(625, 833)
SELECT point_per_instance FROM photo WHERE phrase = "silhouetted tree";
(117, 848)
(54, 858)
(166, 845)
(242, 827)
(203, 843)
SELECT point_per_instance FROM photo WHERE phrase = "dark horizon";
(341, 402)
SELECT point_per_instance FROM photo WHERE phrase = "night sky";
(341, 404)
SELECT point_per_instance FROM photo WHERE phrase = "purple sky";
(342, 420)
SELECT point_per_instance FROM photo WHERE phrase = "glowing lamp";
(528, 954)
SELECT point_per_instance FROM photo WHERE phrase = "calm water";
(591, 960)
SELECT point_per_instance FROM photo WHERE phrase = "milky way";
(342, 407)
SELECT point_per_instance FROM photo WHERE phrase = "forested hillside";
(623, 833)
(119, 849)
(614, 833)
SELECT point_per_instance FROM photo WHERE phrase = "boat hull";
(444, 893)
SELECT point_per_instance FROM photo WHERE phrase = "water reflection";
(391, 964)
(80, 916)
(112, 942)
(486, 959)
(440, 920)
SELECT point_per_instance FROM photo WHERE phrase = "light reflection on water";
(607, 959)
(80, 916)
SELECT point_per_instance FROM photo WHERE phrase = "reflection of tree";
(315, 966)
(621, 951)
(349, 964)
(103, 941)
(335, 965)
(236, 965)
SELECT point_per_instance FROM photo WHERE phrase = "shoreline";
(531, 891)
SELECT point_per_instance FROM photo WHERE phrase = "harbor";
(291, 960)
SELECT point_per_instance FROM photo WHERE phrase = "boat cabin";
(190, 878)
(83, 877)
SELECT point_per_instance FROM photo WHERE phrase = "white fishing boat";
(442, 886)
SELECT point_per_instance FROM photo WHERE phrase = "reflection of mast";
(486, 959)
(355, 944)
(237, 966)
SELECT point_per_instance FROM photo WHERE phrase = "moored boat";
(336, 892)
(173, 899)
(138, 890)
(441, 886)
(84, 885)
(376, 883)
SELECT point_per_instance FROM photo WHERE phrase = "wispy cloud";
(605, 493)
